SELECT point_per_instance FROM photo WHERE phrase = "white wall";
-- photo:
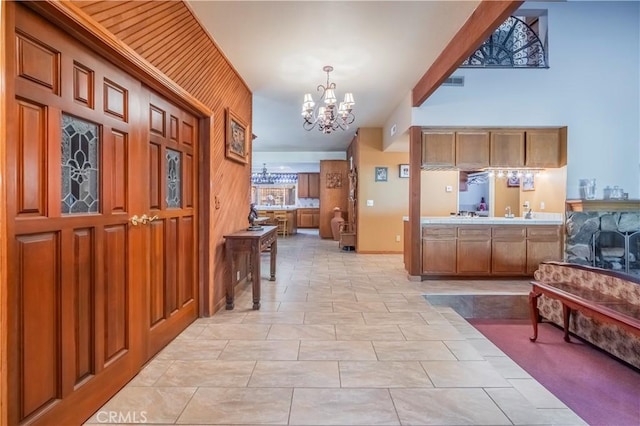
(592, 86)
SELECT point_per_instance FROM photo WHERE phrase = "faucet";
(508, 210)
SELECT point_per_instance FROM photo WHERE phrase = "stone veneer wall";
(581, 227)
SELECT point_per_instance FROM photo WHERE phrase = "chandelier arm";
(332, 117)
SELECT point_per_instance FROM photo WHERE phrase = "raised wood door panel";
(73, 278)
(306, 220)
(314, 185)
(543, 243)
(543, 148)
(303, 185)
(171, 233)
(472, 149)
(438, 257)
(438, 148)
(316, 220)
(473, 250)
(508, 250)
(507, 148)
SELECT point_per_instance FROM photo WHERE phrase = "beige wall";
(549, 188)
(434, 199)
(504, 196)
(379, 225)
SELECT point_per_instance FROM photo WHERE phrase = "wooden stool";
(281, 220)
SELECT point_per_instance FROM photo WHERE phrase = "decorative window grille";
(173, 179)
(513, 45)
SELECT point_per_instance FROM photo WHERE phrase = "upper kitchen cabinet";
(472, 149)
(438, 148)
(308, 185)
(546, 147)
(507, 148)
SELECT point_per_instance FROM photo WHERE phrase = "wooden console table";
(252, 242)
(592, 303)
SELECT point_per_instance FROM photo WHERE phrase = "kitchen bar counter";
(495, 246)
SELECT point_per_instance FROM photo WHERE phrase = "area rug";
(598, 387)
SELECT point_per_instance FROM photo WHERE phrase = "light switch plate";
(369, 203)
(448, 188)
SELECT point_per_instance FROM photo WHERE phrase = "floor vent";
(457, 81)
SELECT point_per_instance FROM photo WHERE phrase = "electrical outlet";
(541, 205)
(369, 203)
(397, 238)
(448, 188)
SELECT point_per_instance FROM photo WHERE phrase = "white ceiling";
(379, 51)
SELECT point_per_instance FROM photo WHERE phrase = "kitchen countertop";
(459, 220)
(273, 208)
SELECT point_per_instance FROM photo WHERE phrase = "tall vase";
(336, 222)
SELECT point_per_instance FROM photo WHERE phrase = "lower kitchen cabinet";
(543, 243)
(439, 250)
(509, 250)
(473, 251)
(309, 218)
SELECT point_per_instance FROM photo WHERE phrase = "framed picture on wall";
(513, 181)
(527, 183)
(403, 170)
(237, 138)
(381, 174)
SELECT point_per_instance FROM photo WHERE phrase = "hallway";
(341, 339)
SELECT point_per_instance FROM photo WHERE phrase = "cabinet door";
(472, 149)
(509, 250)
(314, 185)
(303, 185)
(543, 243)
(439, 256)
(544, 148)
(507, 148)
(306, 220)
(316, 220)
(439, 148)
(474, 251)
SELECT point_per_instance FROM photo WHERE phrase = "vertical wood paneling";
(39, 320)
(187, 271)
(116, 297)
(31, 159)
(83, 280)
(171, 265)
(156, 273)
(119, 175)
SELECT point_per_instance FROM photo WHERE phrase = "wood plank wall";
(332, 197)
(4, 387)
(168, 35)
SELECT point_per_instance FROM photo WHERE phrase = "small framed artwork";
(381, 174)
(334, 180)
(404, 170)
(513, 181)
(237, 142)
(527, 183)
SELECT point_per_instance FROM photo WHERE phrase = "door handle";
(152, 218)
(135, 220)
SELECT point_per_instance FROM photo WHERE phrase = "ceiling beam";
(483, 21)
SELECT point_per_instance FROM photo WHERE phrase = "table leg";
(255, 275)
(566, 316)
(230, 283)
(535, 315)
(273, 251)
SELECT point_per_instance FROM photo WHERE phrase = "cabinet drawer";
(543, 232)
(439, 232)
(511, 232)
(474, 233)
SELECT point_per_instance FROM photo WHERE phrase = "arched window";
(513, 45)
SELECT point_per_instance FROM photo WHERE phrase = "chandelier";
(327, 117)
(263, 177)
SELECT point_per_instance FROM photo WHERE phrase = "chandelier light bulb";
(348, 100)
(330, 97)
(500, 174)
(519, 174)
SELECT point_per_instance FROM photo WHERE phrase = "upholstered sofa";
(619, 342)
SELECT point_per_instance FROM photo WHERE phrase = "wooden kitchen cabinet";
(438, 148)
(473, 250)
(308, 185)
(546, 147)
(543, 243)
(308, 218)
(507, 148)
(472, 149)
(508, 250)
(439, 250)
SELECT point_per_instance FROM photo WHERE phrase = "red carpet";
(599, 388)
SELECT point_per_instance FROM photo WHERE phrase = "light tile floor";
(341, 339)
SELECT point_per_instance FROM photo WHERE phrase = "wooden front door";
(171, 154)
(92, 293)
